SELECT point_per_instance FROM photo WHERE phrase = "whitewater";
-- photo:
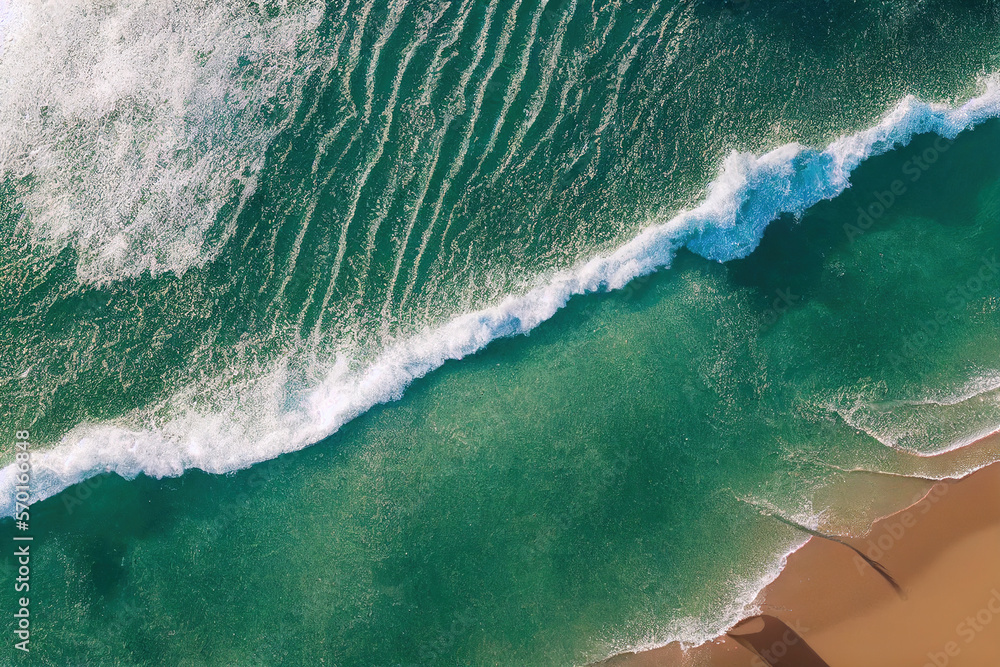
(262, 419)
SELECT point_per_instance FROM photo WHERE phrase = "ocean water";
(267, 267)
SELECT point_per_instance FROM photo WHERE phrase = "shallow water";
(598, 485)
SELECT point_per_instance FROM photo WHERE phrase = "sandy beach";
(830, 605)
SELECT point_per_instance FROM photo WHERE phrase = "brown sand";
(944, 551)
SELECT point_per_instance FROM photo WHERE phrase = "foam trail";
(263, 419)
(693, 631)
(933, 425)
(127, 128)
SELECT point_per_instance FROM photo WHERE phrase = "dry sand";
(944, 552)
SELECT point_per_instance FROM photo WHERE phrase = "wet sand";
(944, 552)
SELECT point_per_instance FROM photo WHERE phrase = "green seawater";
(600, 484)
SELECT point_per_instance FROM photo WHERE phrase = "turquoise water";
(267, 220)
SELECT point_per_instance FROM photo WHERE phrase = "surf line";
(875, 565)
(749, 192)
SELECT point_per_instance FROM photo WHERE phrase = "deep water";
(592, 486)
(212, 242)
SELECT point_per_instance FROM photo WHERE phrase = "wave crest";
(266, 417)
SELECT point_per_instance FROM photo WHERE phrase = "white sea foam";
(931, 425)
(695, 631)
(128, 125)
(264, 418)
(4, 11)
(691, 631)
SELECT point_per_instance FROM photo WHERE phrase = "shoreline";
(943, 549)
